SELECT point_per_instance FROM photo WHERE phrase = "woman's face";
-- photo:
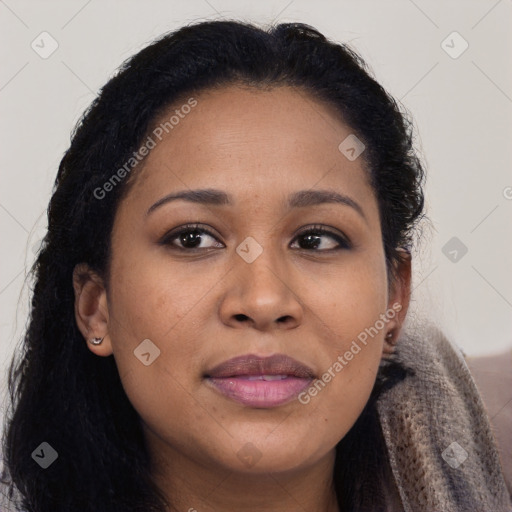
(253, 286)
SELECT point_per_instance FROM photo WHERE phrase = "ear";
(398, 300)
(91, 308)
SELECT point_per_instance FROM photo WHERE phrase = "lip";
(251, 364)
(241, 379)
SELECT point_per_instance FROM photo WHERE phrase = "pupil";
(189, 237)
(313, 241)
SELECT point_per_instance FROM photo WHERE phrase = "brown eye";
(188, 238)
(313, 239)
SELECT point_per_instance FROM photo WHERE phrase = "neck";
(195, 486)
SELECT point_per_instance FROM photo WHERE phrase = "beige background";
(462, 109)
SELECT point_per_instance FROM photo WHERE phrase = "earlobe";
(91, 309)
(389, 343)
(398, 300)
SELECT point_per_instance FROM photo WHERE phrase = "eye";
(190, 237)
(313, 239)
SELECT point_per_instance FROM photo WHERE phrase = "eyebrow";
(300, 199)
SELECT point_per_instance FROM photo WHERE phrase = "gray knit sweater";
(441, 448)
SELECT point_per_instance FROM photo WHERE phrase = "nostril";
(241, 317)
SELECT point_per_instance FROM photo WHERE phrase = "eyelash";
(168, 238)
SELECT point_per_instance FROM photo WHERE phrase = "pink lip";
(260, 393)
(241, 379)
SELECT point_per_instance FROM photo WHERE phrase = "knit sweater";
(440, 445)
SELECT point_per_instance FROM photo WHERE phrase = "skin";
(259, 146)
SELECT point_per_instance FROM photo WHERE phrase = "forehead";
(260, 143)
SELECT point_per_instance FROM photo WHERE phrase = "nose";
(261, 295)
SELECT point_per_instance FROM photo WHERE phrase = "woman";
(218, 310)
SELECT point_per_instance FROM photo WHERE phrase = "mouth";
(260, 382)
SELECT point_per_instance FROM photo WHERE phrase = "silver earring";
(96, 341)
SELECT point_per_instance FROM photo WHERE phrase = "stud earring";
(96, 341)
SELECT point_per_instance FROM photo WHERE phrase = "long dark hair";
(63, 394)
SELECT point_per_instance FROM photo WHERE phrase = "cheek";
(336, 399)
(147, 307)
(164, 393)
(148, 299)
(349, 298)
(347, 307)
(152, 329)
